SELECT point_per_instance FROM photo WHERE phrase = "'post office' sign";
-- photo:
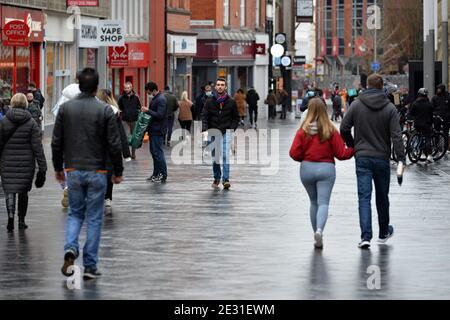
(111, 33)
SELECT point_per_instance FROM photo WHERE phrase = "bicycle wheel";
(414, 148)
(439, 144)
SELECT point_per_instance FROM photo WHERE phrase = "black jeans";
(170, 122)
(186, 125)
(272, 112)
(11, 204)
(253, 110)
(427, 132)
(109, 188)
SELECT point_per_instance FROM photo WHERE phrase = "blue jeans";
(378, 171)
(86, 198)
(225, 152)
(157, 152)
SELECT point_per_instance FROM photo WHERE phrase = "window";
(358, 20)
(226, 12)
(328, 26)
(242, 13)
(340, 26)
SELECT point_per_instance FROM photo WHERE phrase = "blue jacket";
(158, 111)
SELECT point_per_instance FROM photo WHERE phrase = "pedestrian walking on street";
(421, 112)
(199, 103)
(241, 103)
(272, 102)
(20, 149)
(376, 126)
(34, 109)
(85, 132)
(252, 101)
(106, 96)
(316, 146)
(130, 105)
(157, 130)
(172, 107)
(185, 117)
(221, 113)
(284, 98)
(441, 106)
(38, 96)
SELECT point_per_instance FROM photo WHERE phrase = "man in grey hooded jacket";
(377, 127)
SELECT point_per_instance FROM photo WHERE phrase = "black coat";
(441, 105)
(158, 111)
(252, 98)
(222, 118)
(39, 98)
(422, 113)
(20, 148)
(130, 107)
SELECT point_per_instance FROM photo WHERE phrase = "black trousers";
(109, 188)
(11, 204)
(186, 125)
(253, 110)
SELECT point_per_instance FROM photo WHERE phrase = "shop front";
(20, 62)
(181, 49)
(231, 60)
(129, 64)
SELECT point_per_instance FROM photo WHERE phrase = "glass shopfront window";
(88, 58)
(6, 72)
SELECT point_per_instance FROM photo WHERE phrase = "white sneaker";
(364, 244)
(318, 237)
(430, 159)
(108, 203)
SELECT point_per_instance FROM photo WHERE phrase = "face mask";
(209, 94)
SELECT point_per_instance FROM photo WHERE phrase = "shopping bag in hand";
(135, 141)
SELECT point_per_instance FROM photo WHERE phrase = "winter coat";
(422, 113)
(39, 98)
(441, 103)
(185, 111)
(130, 105)
(241, 103)
(35, 111)
(70, 92)
(158, 111)
(172, 103)
(222, 117)
(271, 100)
(123, 138)
(20, 148)
(252, 98)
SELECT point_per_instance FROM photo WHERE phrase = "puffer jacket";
(130, 105)
(20, 148)
(223, 116)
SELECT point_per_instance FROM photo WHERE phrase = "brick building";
(228, 31)
(181, 46)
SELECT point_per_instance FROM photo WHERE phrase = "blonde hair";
(317, 112)
(184, 96)
(106, 96)
(19, 101)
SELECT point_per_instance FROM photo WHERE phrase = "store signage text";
(82, 3)
(17, 33)
(111, 33)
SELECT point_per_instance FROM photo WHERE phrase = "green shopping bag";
(135, 140)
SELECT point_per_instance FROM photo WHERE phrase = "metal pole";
(429, 52)
(445, 42)
(173, 66)
(376, 33)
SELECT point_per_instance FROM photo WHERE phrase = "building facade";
(228, 33)
(181, 46)
(439, 33)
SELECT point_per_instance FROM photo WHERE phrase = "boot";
(10, 226)
(22, 225)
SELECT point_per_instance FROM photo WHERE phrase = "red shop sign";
(16, 33)
(82, 3)
(118, 56)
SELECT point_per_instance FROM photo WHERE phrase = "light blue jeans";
(86, 198)
(225, 153)
(318, 179)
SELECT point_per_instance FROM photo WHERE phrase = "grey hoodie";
(376, 123)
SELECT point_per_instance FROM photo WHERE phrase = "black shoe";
(91, 274)
(150, 179)
(226, 185)
(69, 260)
(383, 240)
(22, 224)
(10, 226)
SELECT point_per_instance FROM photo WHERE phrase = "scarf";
(221, 99)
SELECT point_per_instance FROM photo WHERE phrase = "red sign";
(260, 48)
(16, 33)
(323, 47)
(133, 55)
(360, 46)
(225, 50)
(82, 3)
(335, 50)
(118, 56)
(33, 18)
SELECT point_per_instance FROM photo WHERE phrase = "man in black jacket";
(85, 133)
(157, 130)
(172, 107)
(252, 101)
(130, 105)
(441, 106)
(221, 113)
(37, 94)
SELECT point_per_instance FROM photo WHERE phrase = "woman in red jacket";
(316, 145)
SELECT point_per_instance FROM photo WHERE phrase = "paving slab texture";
(182, 240)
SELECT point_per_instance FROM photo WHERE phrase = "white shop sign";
(111, 33)
(88, 34)
(183, 44)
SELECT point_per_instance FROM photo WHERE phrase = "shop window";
(6, 72)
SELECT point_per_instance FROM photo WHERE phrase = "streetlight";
(269, 31)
